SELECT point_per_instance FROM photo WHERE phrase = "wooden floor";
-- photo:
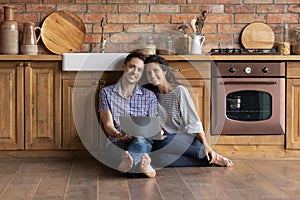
(86, 178)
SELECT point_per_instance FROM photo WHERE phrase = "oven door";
(248, 106)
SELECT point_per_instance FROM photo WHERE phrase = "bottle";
(9, 32)
(284, 45)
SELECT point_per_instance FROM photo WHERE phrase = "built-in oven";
(248, 98)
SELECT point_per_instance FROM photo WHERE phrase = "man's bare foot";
(146, 167)
(127, 162)
(223, 161)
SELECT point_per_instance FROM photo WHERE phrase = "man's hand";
(124, 137)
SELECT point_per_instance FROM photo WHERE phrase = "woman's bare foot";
(223, 161)
(127, 162)
(146, 167)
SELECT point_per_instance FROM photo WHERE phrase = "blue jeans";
(179, 147)
(136, 147)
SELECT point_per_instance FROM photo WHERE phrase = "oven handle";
(249, 82)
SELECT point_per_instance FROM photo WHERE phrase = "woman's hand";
(209, 152)
(211, 156)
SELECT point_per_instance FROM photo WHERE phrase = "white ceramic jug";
(197, 42)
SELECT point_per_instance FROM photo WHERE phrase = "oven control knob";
(232, 70)
(248, 70)
(265, 70)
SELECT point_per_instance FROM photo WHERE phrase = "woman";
(182, 125)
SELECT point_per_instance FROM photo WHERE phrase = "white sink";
(93, 61)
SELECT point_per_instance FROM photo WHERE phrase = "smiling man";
(127, 98)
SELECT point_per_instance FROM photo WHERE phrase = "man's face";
(133, 70)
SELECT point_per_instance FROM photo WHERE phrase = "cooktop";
(242, 51)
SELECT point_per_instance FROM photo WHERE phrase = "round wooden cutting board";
(63, 32)
(258, 35)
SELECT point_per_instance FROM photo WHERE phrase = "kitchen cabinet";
(196, 76)
(12, 105)
(80, 117)
(30, 113)
(42, 105)
(200, 92)
(39, 99)
(293, 106)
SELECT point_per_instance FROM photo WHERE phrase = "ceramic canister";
(9, 32)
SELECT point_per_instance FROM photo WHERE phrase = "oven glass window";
(249, 105)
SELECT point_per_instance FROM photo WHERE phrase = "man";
(126, 97)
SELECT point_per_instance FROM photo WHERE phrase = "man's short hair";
(135, 54)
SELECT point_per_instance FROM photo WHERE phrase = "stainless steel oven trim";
(249, 82)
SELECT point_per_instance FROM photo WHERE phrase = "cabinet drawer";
(191, 70)
(293, 70)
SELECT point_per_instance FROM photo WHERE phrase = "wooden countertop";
(233, 57)
(31, 57)
(170, 57)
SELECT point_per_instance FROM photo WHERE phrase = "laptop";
(148, 127)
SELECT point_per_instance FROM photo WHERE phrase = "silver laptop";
(148, 127)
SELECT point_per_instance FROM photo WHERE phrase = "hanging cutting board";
(63, 32)
(258, 35)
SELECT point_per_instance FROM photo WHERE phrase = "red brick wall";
(128, 18)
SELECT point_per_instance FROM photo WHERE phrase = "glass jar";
(296, 43)
(182, 45)
(149, 47)
(170, 45)
(284, 45)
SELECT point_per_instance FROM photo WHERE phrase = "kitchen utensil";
(63, 32)
(193, 24)
(258, 35)
(200, 22)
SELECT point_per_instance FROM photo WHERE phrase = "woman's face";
(155, 74)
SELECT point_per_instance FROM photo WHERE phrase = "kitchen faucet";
(103, 39)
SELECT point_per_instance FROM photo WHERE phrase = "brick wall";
(131, 21)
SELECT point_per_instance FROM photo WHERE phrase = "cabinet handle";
(27, 64)
(102, 82)
(19, 64)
